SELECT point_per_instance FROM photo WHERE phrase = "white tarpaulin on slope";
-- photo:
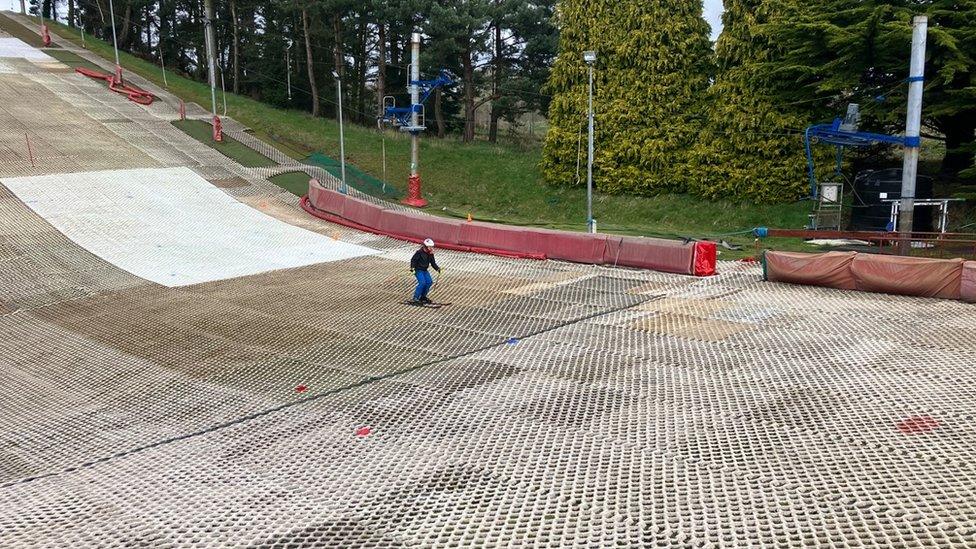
(171, 226)
(12, 47)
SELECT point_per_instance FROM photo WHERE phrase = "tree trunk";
(495, 82)
(959, 134)
(147, 24)
(361, 69)
(163, 32)
(439, 114)
(380, 67)
(71, 14)
(23, 7)
(468, 78)
(337, 56)
(126, 26)
(233, 26)
(310, 63)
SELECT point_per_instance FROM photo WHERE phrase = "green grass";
(229, 147)
(492, 182)
(294, 182)
(72, 60)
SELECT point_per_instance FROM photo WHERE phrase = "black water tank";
(870, 213)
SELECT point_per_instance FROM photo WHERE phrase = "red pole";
(182, 110)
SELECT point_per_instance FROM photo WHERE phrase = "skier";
(419, 263)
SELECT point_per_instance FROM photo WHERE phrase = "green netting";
(355, 177)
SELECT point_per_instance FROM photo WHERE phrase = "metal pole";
(161, 65)
(83, 38)
(288, 65)
(342, 140)
(223, 90)
(414, 196)
(115, 41)
(210, 40)
(913, 122)
(414, 100)
(589, 164)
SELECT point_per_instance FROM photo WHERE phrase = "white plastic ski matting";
(171, 226)
(12, 47)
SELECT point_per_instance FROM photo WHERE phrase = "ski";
(431, 305)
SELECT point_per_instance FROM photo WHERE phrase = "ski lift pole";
(913, 122)
(414, 197)
(115, 43)
(210, 40)
(45, 34)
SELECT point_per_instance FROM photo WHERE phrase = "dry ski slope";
(251, 403)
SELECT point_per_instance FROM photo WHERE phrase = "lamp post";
(589, 57)
(342, 142)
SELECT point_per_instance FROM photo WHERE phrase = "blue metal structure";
(834, 134)
(400, 116)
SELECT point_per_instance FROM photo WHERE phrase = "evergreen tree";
(654, 60)
(751, 145)
(861, 51)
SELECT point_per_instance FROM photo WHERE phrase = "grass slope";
(294, 182)
(72, 60)
(492, 182)
(229, 147)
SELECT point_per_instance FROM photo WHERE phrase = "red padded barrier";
(420, 226)
(308, 207)
(569, 246)
(647, 253)
(658, 254)
(829, 269)
(706, 254)
(499, 237)
(967, 283)
(325, 199)
(907, 275)
(362, 212)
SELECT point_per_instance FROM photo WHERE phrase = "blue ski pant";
(424, 282)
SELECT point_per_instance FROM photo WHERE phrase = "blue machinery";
(844, 133)
(401, 117)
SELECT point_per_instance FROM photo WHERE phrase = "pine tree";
(654, 60)
(859, 51)
(751, 145)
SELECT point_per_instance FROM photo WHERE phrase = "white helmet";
(429, 243)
